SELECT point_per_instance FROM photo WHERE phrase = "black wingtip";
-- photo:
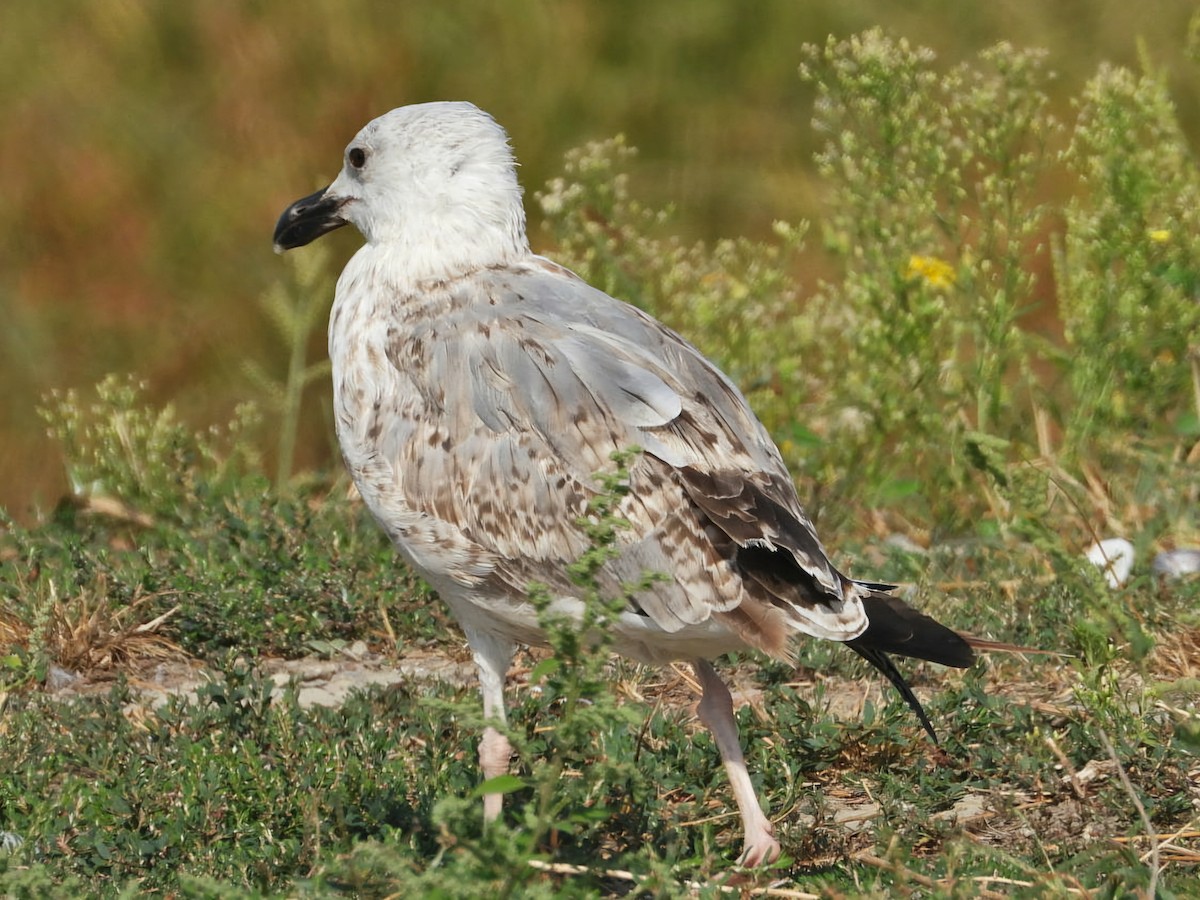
(884, 664)
(895, 627)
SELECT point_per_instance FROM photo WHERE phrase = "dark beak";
(307, 219)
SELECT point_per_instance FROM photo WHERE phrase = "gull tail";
(895, 627)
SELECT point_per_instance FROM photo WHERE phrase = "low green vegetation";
(950, 432)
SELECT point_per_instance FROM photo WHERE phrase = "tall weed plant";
(1129, 267)
(115, 445)
(936, 225)
(982, 350)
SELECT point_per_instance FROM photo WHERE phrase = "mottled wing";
(531, 379)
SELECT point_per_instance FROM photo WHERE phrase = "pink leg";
(493, 655)
(494, 754)
(716, 712)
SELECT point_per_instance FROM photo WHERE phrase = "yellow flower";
(937, 273)
(1159, 235)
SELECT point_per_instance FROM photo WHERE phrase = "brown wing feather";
(521, 393)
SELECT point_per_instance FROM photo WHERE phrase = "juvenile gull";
(479, 387)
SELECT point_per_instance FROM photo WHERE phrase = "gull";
(479, 388)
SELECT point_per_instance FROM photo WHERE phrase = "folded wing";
(529, 384)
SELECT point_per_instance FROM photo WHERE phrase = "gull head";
(434, 183)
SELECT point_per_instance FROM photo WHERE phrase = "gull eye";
(357, 157)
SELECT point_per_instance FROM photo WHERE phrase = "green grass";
(379, 796)
(912, 394)
(234, 793)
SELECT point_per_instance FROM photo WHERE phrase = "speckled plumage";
(479, 388)
(475, 413)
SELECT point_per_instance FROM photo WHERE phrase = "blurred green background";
(147, 149)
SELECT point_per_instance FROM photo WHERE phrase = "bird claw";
(759, 850)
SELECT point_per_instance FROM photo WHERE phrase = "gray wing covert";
(541, 379)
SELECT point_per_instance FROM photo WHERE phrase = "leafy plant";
(117, 447)
(297, 309)
(1129, 266)
(936, 223)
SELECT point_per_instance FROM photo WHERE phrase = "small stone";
(58, 678)
(858, 817)
(317, 670)
(905, 544)
(1115, 557)
(1094, 770)
(317, 696)
(965, 809)
(1175, 564)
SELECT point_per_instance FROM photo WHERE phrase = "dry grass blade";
(1072, 779)
(1179, 855)
(1153, 854)
(775, 891)
(1168, 852)
(13, 631)
(1177, 653)
(908, 874)
(89, 632)
(949, 884)
(1183, 833)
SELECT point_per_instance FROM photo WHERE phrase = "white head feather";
(436, 184)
